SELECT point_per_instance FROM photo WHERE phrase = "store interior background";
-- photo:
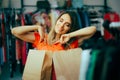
(30, 6)
(114, 4)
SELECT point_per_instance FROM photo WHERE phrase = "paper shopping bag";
(67, 64)
(38, 65)
(47, 66)
(33, 66)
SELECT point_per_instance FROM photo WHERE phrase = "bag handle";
(70, 47)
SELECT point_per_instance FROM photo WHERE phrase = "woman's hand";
(41, 31)
(64, 38)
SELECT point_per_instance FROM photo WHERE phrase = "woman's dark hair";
(74, 26)
(74, 19)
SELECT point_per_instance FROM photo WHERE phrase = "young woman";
(64, 35)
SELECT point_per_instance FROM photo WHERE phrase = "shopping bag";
(38, 65)
(67, 64)
(47, 66)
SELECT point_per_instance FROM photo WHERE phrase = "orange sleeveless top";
(54, 47)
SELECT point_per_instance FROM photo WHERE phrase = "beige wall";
(13, 3)
(114, 4)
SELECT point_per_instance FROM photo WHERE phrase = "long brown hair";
(74, 27)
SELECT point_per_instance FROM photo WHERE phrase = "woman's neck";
(57, 37)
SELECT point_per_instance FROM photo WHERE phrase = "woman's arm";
(25, 33)
(82, 34)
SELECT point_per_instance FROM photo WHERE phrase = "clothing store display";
(10, 52)
(97, 58)
(103, 63)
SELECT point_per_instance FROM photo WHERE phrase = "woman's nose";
(61, 25)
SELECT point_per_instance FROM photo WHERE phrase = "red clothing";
(112, 17)
(44, 46)
(55, 47)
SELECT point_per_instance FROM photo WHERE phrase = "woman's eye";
(68, 25)
(61, 20)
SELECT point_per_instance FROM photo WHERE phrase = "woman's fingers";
(57, 42)
(64, 38)
(41, 33)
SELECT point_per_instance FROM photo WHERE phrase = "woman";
(64, 35)
(65, 31)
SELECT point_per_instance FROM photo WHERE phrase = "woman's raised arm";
(82, 34)
(25, 33)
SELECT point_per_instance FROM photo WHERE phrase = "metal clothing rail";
(11, 9)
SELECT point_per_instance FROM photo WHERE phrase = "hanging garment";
(112, 17)
(92, 64)
(104, 61)
(18, 42)
(1, 56)
(24, 45)
(0, 31)
(85, 58)
(1, 52)
(84, 18)
(96, 60)
(3, 37)
(79, 19)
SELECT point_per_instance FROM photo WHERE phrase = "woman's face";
(63, 24)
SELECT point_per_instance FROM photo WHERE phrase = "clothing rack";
(12, 9)
(45, 5)
(96, 6)
(8, 40)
